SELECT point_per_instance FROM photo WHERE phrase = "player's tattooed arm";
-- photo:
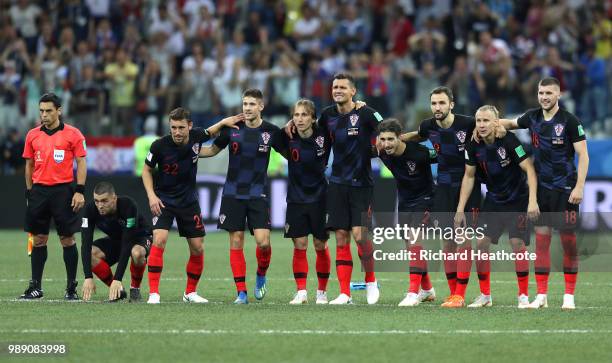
(577, 193)
(209, 151)
(467, 184)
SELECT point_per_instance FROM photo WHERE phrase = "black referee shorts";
(112, 248)
(46, 202)
(188, 220)
(495, 218)
(234, 214)
(445, 203)
(303, 219)
(555, 210)
(348, 206)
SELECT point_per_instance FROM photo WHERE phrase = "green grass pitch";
(273, 331)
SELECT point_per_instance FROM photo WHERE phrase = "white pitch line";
(305, 332)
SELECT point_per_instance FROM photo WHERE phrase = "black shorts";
(348, 206)
(495, 218)
(235, 214)
(188, 220)
(303, 219)
(555, 210)
(46, 202)
(112, 248)
(445, 203)
(415, 215)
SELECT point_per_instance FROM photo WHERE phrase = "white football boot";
(482, 301)
(540, 302)
(372, 292)
(342, 299)
(568, 302)
(193, 297)
(322, 297)
(523, 301)
(301, 297)
(153, 298)
(411, 299)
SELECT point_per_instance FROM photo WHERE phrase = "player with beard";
(448, 133)
(410, 164)
(174, 196)
(556, 136)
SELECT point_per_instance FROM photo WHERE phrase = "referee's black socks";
(71, 260)
(38, 259)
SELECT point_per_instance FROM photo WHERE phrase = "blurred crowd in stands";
(121, 65)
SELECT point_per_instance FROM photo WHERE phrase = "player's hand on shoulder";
(360, 104)
(78, 201)
(378, 145)
(115, 290)
(89, 288)
(290, 128)
(233, 120)
(156, 205)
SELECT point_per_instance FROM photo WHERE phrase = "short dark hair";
(390, 125)
(442, 89)
(103, 188)
(344, 75)
(550, 81)
(253, 92)
(180, 113)
(51, 97)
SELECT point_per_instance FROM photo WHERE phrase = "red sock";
(136, 272)
(450, 268)
(263, 259)
(344, 268)
(365, 251)
(483, 268)
(300, 268)
(238, 265)
(426, 282)
(103, 271)
(570, 260)
(464, 265)
(156, 265)
(542, 262)
(522, 273)
(418, 268)
(323, 266)
(195, 265)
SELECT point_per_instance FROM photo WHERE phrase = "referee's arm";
(78, 199)
(29, 171)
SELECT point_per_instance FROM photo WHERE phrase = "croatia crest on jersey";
(265, 137)
(559, 129)
(353, 119)
(320, 141)
(411, 167)
(461, 136)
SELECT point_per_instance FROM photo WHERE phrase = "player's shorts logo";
(155, 219)
(559, 129)
(286, 227)
(320, 140)
(222, 218)
(353, 119)
(265, 137)
(58, 155)
(461, 136)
